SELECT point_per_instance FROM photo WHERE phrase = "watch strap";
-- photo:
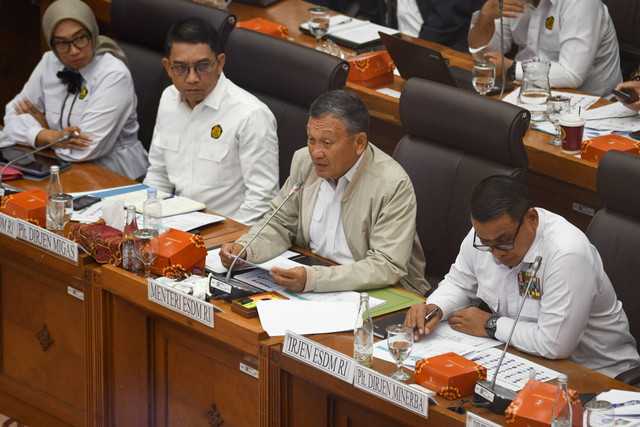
(491, 325)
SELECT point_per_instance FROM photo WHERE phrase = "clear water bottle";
(55, 187)
(561, 412)
(152, 211)
(129, 260)
(363, 334)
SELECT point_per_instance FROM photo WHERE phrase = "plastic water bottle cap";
(55, 168)
(151, 191)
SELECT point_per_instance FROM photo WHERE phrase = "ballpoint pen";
(628, 403)
(429, 316)
(170, 196)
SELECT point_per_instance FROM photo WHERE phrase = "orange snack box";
(29, 205)
(179, 251)
(449, 375)
(265, 27)
(371, 69)
(594, 149)
(533, 405)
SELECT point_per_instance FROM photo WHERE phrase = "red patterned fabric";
(104, 243)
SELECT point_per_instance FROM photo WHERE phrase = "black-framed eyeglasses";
(79, 42)
(200, 68)
(499, 246)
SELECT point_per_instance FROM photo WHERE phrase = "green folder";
(396, 300)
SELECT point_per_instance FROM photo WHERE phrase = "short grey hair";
(346, 107)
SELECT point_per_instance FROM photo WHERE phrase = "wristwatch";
(491, 325)
(511, 71)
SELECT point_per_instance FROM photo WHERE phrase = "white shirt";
(327, 237)
(578, 315)
(107, 113)
(576, 36)
(409, 18)
(223, 153)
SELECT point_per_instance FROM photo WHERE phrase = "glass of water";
(145, 247)
(400, 343)
(484, 77)
(557, 106)
(598, 413)
(319, 24)
(59, 210)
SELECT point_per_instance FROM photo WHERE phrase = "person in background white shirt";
(213, 141)
(571, 311)
(576, 36)
(82, 85)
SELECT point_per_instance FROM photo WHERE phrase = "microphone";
(231, 291)
(64, 138)
(293, 191)
(504, 74)
(498, 398)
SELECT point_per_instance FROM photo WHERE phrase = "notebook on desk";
(414, 60)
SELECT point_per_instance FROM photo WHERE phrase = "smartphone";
(635, 135)
(629, 96)
(84, 202)
(37, 164)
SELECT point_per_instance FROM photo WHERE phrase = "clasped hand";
(293, 279)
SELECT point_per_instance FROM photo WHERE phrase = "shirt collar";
(348, 176)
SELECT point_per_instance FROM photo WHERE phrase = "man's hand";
(228, 252)
(630, 86)
(293, 279)
(415, 319)
(510, 9)
(496, 59)
(78, 142)
(470, 321)
(26, 107)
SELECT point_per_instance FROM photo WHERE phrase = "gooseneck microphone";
(64, 138)
(504, 74)
(496, 397)
(293, 191)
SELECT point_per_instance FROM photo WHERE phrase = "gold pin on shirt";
(216, 131)
(549, 23)
(83, 93)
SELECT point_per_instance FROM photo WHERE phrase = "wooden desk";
(114, 357)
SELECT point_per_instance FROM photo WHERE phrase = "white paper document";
(578, 101)
(443, 339)
(306, 317)
(213, 263)
(191, 220)
(627, 404)
(171, 205)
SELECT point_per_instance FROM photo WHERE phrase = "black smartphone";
(635, 135)
(84, 202)
(629, 96)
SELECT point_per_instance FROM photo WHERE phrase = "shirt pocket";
(490, 299)
(216, 159)
(168, 140)
(549, 41)
(531, 310)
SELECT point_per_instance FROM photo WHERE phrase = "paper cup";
(571, 130)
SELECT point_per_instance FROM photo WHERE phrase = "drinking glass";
(145, 247)
(59, 210)
(598, 413)
(319, 24)
(484, 77)
(400, 343)
(557, 106)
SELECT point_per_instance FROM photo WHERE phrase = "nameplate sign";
(180, 302)
(47, 240)
(319, 356)
(8, 225)
(394, 391)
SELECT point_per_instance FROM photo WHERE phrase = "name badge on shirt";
(535, 291)
(216, 131)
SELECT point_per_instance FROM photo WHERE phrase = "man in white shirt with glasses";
(213, 141)
(571, 310)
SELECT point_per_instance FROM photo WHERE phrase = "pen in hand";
(428, 317)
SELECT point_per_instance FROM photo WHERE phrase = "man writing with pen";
(356, 207)
(571, 310)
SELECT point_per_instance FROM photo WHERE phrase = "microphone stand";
(229, 290)
(502, 50)
(4, 187)
(496, 397)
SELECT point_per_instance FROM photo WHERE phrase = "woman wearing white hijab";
(82, 85)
